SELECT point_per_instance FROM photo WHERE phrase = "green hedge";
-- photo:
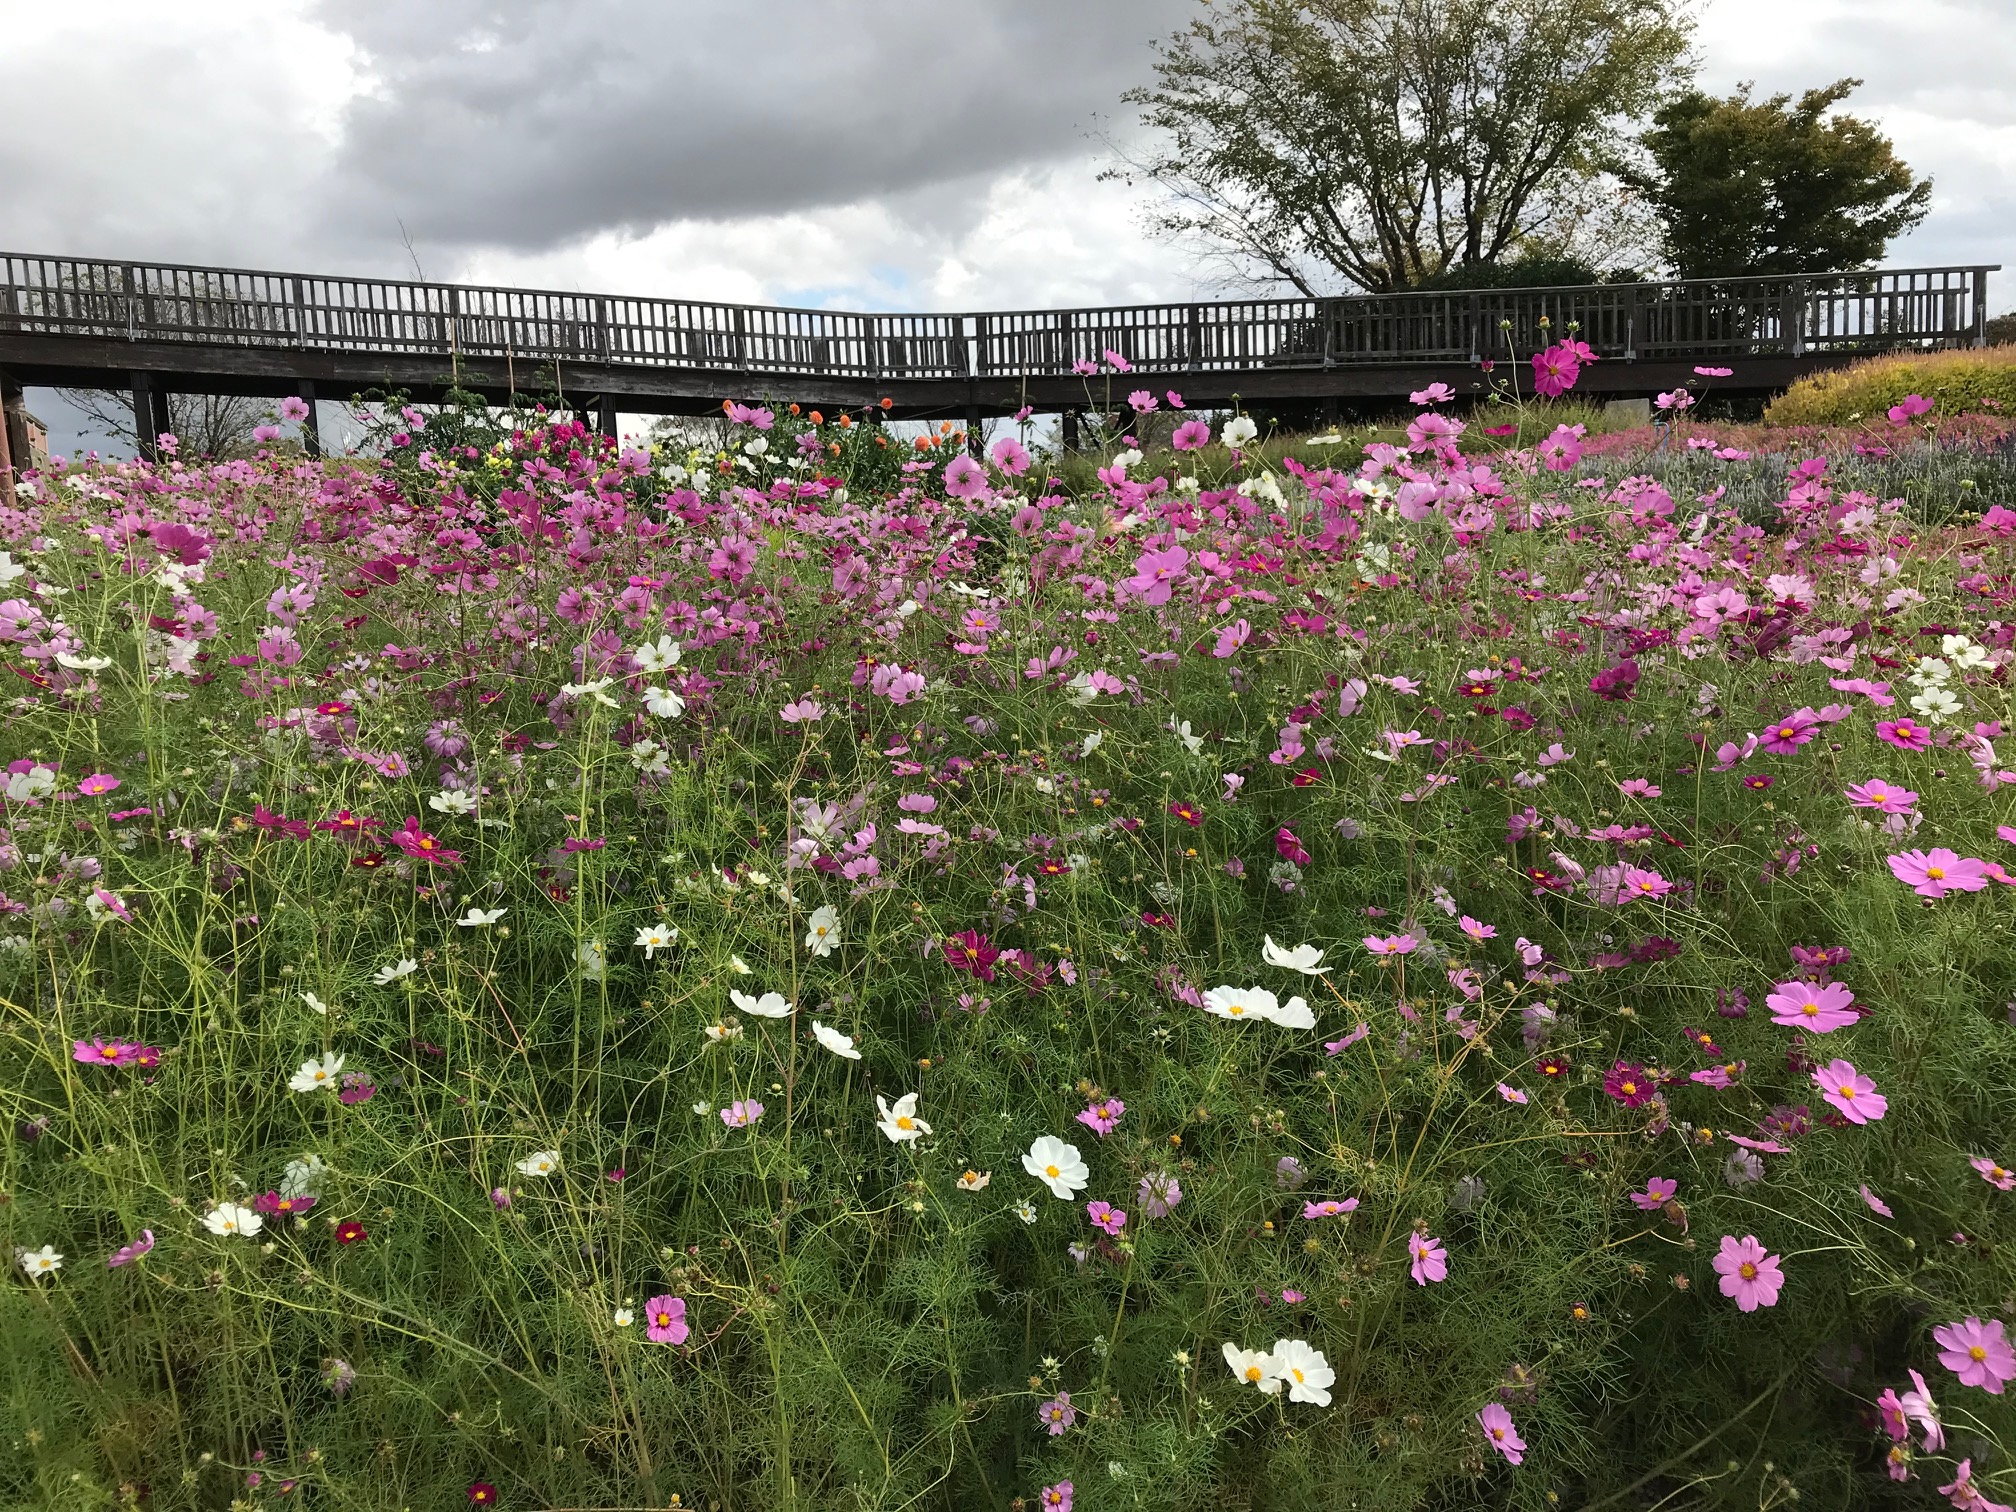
(1957, 382)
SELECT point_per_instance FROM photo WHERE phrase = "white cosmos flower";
(1253, 1367)
(652, 938)
(1295, 1014)
(1090, 743)
(597, 690)
(83, 663)
(1306, 959)
(1241, 1003)
(314, 1002)
(317, 1075)
(1238, 431)
(40, 1262)
(900, 1122)
(1025, 1210)
(822, 930)
(9, 568)
(230, 1218)
(740, 967)
(1304, 1370)
(541, 1163)
(664, 703)
(724, 1033)
(657, 656)
(770, 1005)
(303, 1176)
(593, 963)
(477, 918)
(387, 975)
(625, 1317)
(1192, 743)
(453, 801)
(840, 1044)
(36, 782)
(1057, 1165)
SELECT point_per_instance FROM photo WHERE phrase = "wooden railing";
(1701, 318)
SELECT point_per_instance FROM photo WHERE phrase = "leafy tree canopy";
(1379, 143)
(1774, 186)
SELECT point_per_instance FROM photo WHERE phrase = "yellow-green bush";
(1957, 382)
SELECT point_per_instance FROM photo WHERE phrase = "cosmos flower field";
(831, 972)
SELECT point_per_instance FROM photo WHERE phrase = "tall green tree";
(1378, 143)
(1774, 186)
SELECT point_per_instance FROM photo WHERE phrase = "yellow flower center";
(1976, 1353)
(1252, 1372)
(905, 1122)
(1498, 1434)
(1846, 1090)
(1051, 1172)
(1747, 1271)
(1292, 1370)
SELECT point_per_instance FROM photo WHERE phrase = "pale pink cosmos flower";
(741, 1113)
(1881, 796)
(1749, 1276)
(1658, 1192)
(1430, 1260)
(1917, 1405)
(1978, 1353)
(1392, 945)
(1851, 1092)
(1497, 1425)
(1476, 931)
(1638, 882)
(1802, 1005)
(1935, 873)
(1231, 638)
(1330, 1207)
(1994, 1174)
(965, 478)
(127, 1254)
(804, 711)
(1106, 1217)
(1876, 1204)
(1511, 1094)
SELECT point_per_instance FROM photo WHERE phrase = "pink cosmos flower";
(1435, 393)
(665, 1319)
(970, 952)
(1554, 372)
(1749, 1275)
(1392, 945)
(1978, 1353)
(1918, 1406)
(1497, 1425)
(1231, 638)
(127, 1254)
(1718, 1077)
(1192, 435)
(1935, 873)
(1055, 1498)
(1876, 1204)
(1105, 1216)
(1638, 882)
(97, 784)
(1478, 932)
(1851, 1092)
(804, 711)
(1158, 1193)
(1904, 734)
(965, 478)
(1993, 1173)
(741, 1113)
(1789, 733)
(1960, 1492)
(1289, 847)
(1011, 456)
(1802, 1005)
(1431, 1261)
(1057, 1414)
(1638, 787)
(1882, 797)
(1658, 1192)
(1103, 1115)
(1511, 1094)
(100, 1052)
(1330, 1207)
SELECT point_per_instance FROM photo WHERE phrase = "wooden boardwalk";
(155, 328)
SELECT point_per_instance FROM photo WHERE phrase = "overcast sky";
(870, 154)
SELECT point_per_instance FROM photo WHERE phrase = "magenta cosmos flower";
(1191, 435)
(665, 1319)
(1630, 1084)
(1497, 1425)
(97, 784)
(1106, 1217)
(1430, 1260)
(1103, 1115)
(1749, 1275)
(1801, 1005)
(1881, 796)
(1977, 1352)
(99, 1052)
(1391, 945)
(1658, 1192)
(1851, 1092)
(1935, 873)
(970, 952)
(1905, 734)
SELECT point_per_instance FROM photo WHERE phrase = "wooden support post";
(8, 395)
(143, 417)
(311, 426)
(1070, 430)
(605, 415)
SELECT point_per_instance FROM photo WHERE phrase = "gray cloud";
(529, 125)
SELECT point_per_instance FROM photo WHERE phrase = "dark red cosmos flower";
(1553, 1067)
(483, 1494)
(1188, 813)
(1757, 782)
(369, 860)
(420, 845)
(1630, 1084)
(969, 952)
(343, 822)
(266, 819)
(1706, 1042)
(350, 1232)
(1050, 866)
(1617, 683)
(1307, 777)
(1159, 920)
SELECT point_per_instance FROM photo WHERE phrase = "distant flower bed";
(836, 973)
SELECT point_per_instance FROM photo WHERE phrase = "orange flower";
(846, 422)
(816, 417)
(888, 404)
(794, 409)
